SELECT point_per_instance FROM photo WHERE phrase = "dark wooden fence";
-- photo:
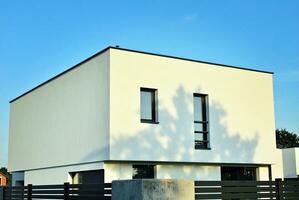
(66, 191)
(280, 190)
(230, 190)
(289, 189)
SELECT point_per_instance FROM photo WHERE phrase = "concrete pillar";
(153, 189)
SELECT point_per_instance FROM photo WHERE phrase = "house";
(124, 114)
(291, 163)
(3, 179)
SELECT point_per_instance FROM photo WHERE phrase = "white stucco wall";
(117, 171)
(187, 171)
(123, 171)
(263, 173)
(64, 121)
(297, 159)
(290, 162)
(57, 175)
(74, 118)
(241, 110)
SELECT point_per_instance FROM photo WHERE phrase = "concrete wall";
(64, 121)
(241, 110)
(153, 189)
(57, 175)
(290, 162)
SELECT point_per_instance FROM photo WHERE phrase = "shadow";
(172, 140)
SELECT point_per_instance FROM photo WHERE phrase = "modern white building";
(124, 114)
(291, 163)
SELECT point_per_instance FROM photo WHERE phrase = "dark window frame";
(205, 143)
(154, 105)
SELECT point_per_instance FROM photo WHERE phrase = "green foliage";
(286, 139)
(8, 175)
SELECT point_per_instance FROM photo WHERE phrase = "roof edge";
(192, 60)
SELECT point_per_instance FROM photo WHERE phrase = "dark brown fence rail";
(290, 189)
(65, 192)
(280, 190)
(235, 189)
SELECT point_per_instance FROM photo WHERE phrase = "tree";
(7, 174)
(286, 139)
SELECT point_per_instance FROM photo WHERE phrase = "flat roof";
(136, 51)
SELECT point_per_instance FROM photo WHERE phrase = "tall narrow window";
(201, 122)
(148, 105)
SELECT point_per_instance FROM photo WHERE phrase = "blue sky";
(39, 39)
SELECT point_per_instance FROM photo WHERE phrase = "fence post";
(66, 191)
(29, 192)
(279, 192)
(1, 193)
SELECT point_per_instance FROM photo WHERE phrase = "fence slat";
(278, 190)
(233, 183)
(29, 192)
(65, 191)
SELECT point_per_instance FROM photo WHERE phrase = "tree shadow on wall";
(173, 138)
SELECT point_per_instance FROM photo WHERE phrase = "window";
(143, 171)
(201, 122)
(88, 177)
(148, 105)
(238, 174)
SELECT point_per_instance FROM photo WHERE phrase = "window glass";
(197, 108)
(198, 127)
(146, 105)
(199, 136)
(238, 174)
(88, 177)
(143, 171)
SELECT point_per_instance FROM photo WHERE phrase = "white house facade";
(291, 163)
(124, 114)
